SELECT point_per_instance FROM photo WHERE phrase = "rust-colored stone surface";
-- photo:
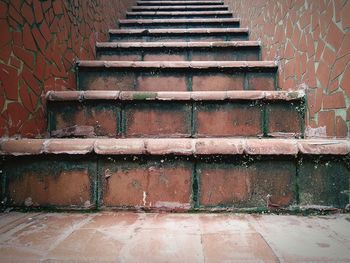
(103, 118)
(228, 120)
(50, 184)
(311, 41)
(40, 40)
(217, 82)
(158, 120)
(246, 185)
(158, 184)
(284, 118)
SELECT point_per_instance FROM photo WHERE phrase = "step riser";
(179, 119)
(174, 184)
(161, 16)
(180, 80)
(178, 8)
(179, 25)
(176, 54)
(179, 38)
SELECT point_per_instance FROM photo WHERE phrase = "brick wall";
(39, 42)
(311, 38)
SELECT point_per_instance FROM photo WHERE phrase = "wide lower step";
(179, 23)
(179, 51)
(181, 8)
(174, 175)
(177, 76)
(175, 114)
(178, 14)
(175, 3)
(179, 35)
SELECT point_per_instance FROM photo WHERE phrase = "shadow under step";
(178, 14)
(176, 114)
(174, 174)
(179, 35)
(179, 51)
(177, 76)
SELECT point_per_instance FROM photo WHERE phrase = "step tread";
(180, 13)
(109, 45)
(179, 31)
(179, 64)
(174, 96)
(174, 21)
(205, 146)
(199, 2)
(180, 7)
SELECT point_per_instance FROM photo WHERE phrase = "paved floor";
(131, 237)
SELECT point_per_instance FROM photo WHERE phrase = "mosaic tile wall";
(39, 42)
(311, 39)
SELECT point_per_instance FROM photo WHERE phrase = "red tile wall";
(311, 39)
(39, 42)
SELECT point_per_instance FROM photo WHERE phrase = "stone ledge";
(174, 96)
(181, 7)
(178, 31)
(176, 21)
(199, 2)
(216, 44)
(219, 65)
(176, 13)
(166, 146)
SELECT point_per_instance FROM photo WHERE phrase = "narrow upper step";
(179, 51)
(179, 23)
(178, 2)
(165, 146)
(181, 8)
(218, 44)
(179, 14)
(183, 35)
(174, 95)
(235, 65)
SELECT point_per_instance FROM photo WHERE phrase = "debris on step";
(82, 131)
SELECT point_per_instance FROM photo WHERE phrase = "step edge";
(178, 31)
(194, 44)
(81, 96)
(182, 146)
(178, 65)
(181, 20)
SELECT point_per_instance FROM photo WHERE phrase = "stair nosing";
(179, 13)
(178, 64)
(117, 95)
(181, 7)
(174, 21)
(193, 44)
(176, 146)
(178, 31)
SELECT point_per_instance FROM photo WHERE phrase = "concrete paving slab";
(151, 237)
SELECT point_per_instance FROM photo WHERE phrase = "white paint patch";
(144, 198)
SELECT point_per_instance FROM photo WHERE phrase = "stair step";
(174, 174)
(178, 14)
(177, 114)
(181, 35)
(178, 3)
(179, 51)
(177, 76)
(181, 8)
(179, 23)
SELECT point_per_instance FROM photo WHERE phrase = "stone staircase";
(177, 113)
